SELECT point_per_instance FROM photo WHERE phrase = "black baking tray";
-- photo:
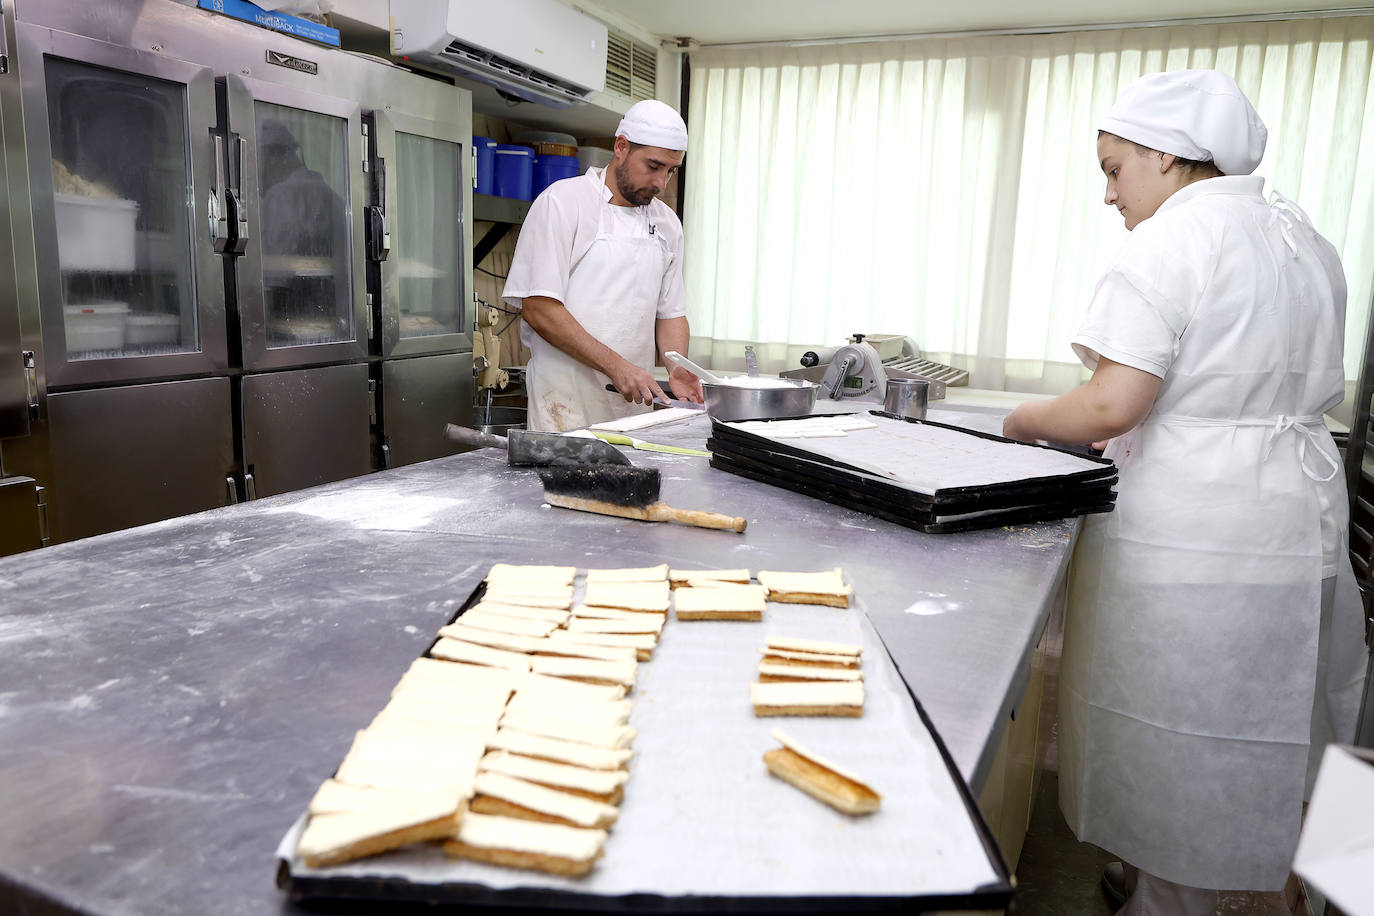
(937, 525)
(399, 897)
(1044, 491)
(723, 432)
(948, 510)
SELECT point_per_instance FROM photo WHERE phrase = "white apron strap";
(1309, 428)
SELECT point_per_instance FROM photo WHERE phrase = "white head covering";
(653, 123)
(1196, 114)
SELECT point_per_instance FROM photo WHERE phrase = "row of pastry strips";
(542, 745)
(454, 744)
(536, 583)
(522, 767)
(807, 677)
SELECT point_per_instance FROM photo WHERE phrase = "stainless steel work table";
(172, 695)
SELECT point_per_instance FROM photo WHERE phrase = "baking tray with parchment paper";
(929, 476)
(704, 827)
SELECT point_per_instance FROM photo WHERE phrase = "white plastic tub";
(95, 234)
(145, 330)
(592, 156)
(95, 326)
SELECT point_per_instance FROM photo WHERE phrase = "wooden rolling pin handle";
(698, 518)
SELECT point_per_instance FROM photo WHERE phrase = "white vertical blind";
(948, 189)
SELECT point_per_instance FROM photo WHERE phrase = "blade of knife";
(666, 402)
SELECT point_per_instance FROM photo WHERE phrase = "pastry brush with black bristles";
(624, 490)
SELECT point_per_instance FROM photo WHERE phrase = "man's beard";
(638, 197)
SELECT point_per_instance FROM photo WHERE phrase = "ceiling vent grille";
(631, 67)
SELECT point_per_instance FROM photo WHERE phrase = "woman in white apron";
(1214, 640)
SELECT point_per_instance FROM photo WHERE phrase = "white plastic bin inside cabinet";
(95, 233)
(95, 326)
(143, 330)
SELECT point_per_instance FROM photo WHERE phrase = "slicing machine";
(861, 367)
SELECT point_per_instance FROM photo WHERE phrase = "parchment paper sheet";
(930, 458)
(702, 815)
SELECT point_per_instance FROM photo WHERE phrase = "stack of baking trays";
(917, 473)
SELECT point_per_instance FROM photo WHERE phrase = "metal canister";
(907, 397)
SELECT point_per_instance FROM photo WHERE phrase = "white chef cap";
(652, 123)
(1196, 114)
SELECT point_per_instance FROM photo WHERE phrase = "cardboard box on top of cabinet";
(278, 22)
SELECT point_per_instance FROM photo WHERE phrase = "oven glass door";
(121, 181)
(120, 165)
(425, 278)
(300, 284)
(302, 199)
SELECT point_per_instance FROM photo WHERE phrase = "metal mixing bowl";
(735, 402)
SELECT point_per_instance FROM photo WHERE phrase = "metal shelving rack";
(1359, 468)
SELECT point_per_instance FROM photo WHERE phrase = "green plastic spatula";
(622, 439)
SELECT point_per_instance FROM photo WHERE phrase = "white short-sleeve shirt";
(561, 225)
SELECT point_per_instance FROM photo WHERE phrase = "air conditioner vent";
(466, 56)
(644, 73)
(631, 67)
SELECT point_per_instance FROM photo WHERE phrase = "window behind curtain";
(948, 189)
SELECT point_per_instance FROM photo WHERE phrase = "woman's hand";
(1013, 425)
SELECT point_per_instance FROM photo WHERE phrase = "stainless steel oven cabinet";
(112, 197)
(185, 203)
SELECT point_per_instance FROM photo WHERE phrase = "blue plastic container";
(548, 169)
(514, 172)
(486, 155)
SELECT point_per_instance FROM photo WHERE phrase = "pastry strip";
(819, 778)
(813, 698)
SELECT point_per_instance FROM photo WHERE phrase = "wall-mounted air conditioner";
(538, 50)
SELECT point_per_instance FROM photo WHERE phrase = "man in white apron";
(1214, 640)
(597, 274)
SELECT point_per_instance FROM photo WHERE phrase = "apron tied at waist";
(1308, 428)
